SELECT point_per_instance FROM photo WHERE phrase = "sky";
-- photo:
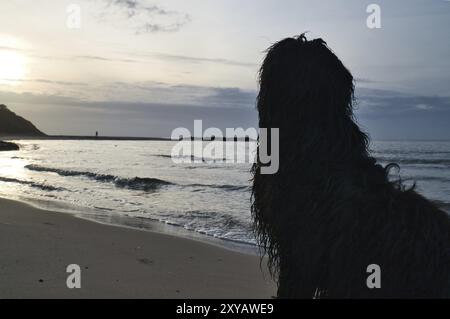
(144, 67)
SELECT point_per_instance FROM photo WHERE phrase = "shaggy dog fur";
(330, 210)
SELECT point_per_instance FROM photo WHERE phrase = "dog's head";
(302, 80)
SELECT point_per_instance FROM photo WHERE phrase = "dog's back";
(355, 221)
(331, 211)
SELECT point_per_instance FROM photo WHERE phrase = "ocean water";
(136, 183)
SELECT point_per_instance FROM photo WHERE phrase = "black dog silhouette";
(331, 211)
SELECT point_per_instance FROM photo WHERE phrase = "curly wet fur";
(330, 210)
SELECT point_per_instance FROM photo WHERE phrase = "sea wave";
(193, 158)
(224, 187)
(211, 223)
(137, 183)
(412, 161)
(31, 184)
(427, 178)
(406, 153)
(443, 205)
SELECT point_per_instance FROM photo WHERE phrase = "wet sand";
(36, 246)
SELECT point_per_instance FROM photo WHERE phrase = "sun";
(12, 67)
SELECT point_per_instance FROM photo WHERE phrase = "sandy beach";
(36, 246)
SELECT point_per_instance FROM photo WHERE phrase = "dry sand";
(36, 246)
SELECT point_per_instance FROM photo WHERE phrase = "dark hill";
(8, 146)
(14, 125)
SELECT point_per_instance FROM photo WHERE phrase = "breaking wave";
(437, 161)
(31, 184)
(224, 187)
(137, 183)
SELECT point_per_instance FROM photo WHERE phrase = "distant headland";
(12, 124)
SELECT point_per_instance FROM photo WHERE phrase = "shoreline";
(115, 219)
(117, 138)
(117, 262)
(81, 137)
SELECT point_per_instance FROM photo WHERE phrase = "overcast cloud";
(143, 68)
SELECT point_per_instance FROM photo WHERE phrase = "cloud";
(205, 96)
(379, 102)
(364, 81)
(134, 6)
(105, 59)
(167, 57)
(229, 97)
(142, 17)
(36, 99)
(369, 101)
(424, 107)
(56, 114)
(192, 59)
(6, 48)
(154, 55)
(383, 113)
(171, 27)
(46, 81)
(142, 92)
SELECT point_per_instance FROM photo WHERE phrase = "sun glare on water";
(12, 67)
(11, 168)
